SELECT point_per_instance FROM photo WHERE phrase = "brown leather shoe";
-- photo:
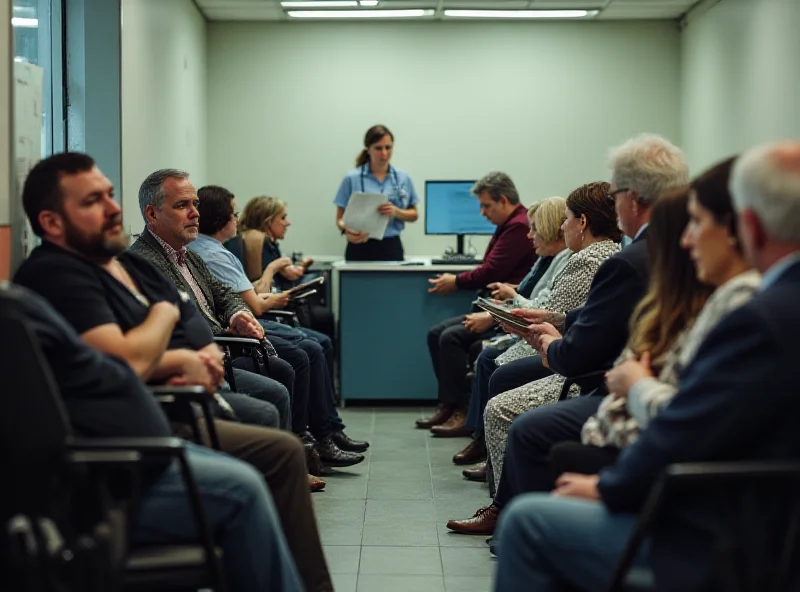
(476, 474)
(443, 413)
(313, 462)
(454, 427)
(483, 522)
(315, 484)
(474, 452)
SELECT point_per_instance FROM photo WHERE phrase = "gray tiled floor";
(382, 522)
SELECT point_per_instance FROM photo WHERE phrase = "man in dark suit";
(594, 335)
(735, 402)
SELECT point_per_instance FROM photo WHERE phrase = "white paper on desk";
(362, 214)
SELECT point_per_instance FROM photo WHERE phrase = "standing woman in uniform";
(374, 174)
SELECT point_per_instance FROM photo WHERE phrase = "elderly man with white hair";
(736, 401)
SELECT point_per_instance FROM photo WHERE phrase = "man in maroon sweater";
(508, 259)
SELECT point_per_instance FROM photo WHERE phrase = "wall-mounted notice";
(28, 100)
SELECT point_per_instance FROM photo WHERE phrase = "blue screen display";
(451, 208)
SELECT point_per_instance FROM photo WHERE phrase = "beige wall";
(740, 77)
(288, 105)
(163, 94)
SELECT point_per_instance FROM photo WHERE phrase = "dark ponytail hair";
(374, 134)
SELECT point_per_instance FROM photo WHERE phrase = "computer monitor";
(452, 209)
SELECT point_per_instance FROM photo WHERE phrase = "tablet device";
(305, 286)
(501, 313)
(294, 297)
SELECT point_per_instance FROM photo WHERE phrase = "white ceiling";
(270, 10)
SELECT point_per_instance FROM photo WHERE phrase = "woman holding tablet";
(374, 174)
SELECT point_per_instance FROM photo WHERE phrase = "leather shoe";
(474, 452)
(454, 427)
(483, 521)
(345, 442)
(315, 484)
(476, 474)
(313, 462)
(443, 413)
(332, 456)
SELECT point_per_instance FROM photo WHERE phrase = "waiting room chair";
(775, 484)
(62, 528)
(236, 347)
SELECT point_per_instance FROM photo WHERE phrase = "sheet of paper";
(361, 214)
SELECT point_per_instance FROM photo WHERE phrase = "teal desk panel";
(384, 317)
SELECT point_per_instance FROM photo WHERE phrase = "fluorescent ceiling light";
(368, 2)
(28, 23)
(525, 14)
(320, 4)
(348, 14)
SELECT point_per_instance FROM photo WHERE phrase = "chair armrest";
(169, 394)
(165, 389)
(171, 446)
(576, 379)
(241, 341)
(179, 398)
(709, 472)
(280, 313)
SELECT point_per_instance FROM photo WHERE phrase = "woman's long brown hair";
(675, 296)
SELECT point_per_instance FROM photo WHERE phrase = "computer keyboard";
(456, 260)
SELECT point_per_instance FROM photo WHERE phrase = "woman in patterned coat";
(592, 232)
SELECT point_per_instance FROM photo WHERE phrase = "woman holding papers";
(374, 175)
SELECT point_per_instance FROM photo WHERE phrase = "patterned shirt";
(179, 259)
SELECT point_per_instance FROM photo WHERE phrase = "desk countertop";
(411, 264)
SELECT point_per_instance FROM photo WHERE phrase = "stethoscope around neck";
(392, 177)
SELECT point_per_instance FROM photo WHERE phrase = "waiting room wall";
(288, 104)
(740, 77)
(163, 94)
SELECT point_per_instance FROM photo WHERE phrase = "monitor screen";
(451, 208)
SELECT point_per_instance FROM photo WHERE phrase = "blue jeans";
(250, 382)
(550, 544)
(335, 423)
(240, 513)
(250, 410)
(311, 355)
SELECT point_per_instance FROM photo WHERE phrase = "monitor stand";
(457, 256)
(459, 244)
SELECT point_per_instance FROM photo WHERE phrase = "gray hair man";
(643, 169)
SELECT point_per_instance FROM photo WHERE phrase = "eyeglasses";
(616, 192)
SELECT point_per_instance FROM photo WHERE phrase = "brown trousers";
(280, 457)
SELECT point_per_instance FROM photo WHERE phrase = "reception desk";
(385, 312)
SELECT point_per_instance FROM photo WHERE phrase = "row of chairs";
(65, 499)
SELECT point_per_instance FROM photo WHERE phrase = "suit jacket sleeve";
(596, 336)
(226, 302)
(505, 256)
(721, 408)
